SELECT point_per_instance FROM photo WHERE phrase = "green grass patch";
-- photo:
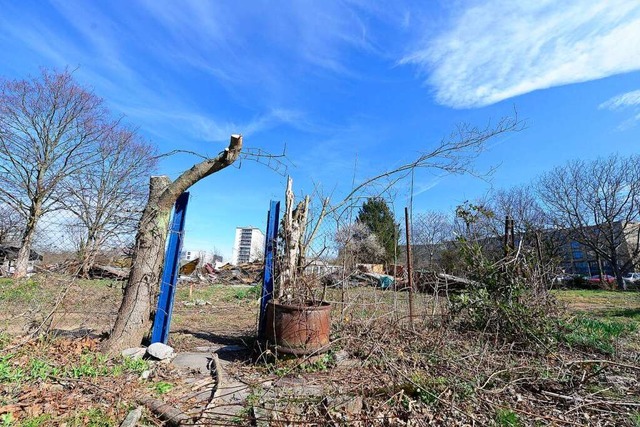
(624, 315)
(18, 291)
(507, 418)
(9, 372)
(595, 334)
(320, 364)
(41, 370)
(136, 366)
(38, 421)
(93, 417)
(225, 293)
(91, 365)
(7, 420)
(162, 387)
(88, 365)
(5, 339)
(206, 293)
(428, 388)
(251, 293)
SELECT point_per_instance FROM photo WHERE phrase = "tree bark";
(294, 225)
(134, 315)
(617, 273)
(88, 256)
(134, 318)
(22, 259)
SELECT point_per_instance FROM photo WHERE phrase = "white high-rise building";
(248, 245)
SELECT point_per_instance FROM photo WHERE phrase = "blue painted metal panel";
(162, 321)
(270, 247)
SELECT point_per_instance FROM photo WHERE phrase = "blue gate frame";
(270, 248)
(162, 321)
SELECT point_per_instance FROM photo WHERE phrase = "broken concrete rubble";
(160, 351)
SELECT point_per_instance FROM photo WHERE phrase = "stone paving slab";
(198, 362)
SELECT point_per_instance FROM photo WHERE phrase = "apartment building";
(248, 245)
(580, 259)
(562, 245)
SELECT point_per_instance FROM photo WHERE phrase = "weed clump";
(506, 299)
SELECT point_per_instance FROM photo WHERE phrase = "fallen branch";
(609, 362)
(172, 416)
(217, 376)
(452, 278)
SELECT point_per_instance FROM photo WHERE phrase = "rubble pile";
(227, 274)
(241, 274)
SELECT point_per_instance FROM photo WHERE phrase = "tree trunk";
(142, 287)
(88, 254)
(616, 270)
(134, 318)
(22, 260)
(294, 225)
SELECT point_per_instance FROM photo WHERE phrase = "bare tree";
(598, 202)
(430, 233)
(356, 244)
(532, 223)
(107, 197)
(48, 127)
(454, 154)
(10, 224)
(134, 316)
(521, 204)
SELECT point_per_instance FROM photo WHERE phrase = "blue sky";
(337, 81)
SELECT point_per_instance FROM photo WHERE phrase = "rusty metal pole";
(409, 265)
(509, 236)
(506, 236)
(539, 247)
(512, 233)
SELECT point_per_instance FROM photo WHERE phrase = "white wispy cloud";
(221, 38)
(207, 127)
(41, 40)
(499, 49)
(423, 187)
(210, 129)
(104, 50)
(628, 102)
(624, 100)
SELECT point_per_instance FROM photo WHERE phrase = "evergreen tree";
(379, 219)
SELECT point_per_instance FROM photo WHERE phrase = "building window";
(578, 255)
(581, 267)
(575, 245)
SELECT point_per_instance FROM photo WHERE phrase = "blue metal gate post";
(162, 321)
(270, 247)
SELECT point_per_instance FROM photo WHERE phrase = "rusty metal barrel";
(298, 329)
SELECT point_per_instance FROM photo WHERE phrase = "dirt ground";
(227, 312)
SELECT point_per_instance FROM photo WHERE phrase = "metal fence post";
(270, 247)
(162, 321)
(409, 265)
